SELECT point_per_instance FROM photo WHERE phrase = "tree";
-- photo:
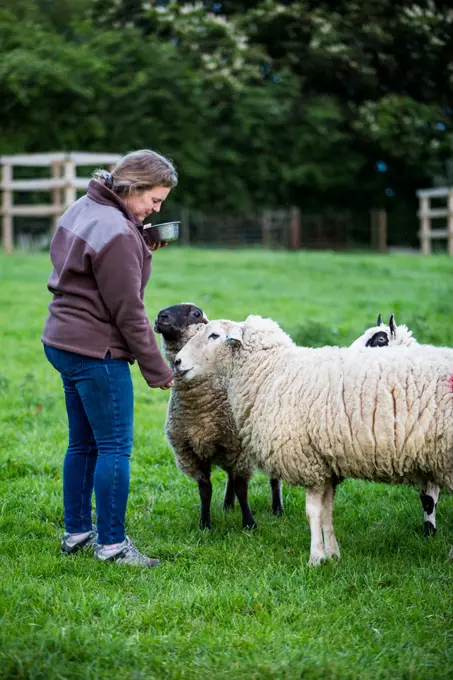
(259, 103)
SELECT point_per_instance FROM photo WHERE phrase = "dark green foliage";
(341, 105)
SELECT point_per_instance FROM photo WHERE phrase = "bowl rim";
(161, 224)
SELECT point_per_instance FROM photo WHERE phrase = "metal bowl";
(166, 231)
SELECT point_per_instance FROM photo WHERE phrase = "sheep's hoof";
(205, 525)
(332, 551)
(249, 526)
(316, 560)
(278, 510)
(429, 529)
(333, 556)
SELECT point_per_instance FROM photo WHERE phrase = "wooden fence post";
(56, 193)
(294, 229)
(8, 236)
(450, 222)
(379, 230)
(382, 231)
(425, 225)
(70, 192)
(265, 229)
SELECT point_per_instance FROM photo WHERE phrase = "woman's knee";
(82, 447)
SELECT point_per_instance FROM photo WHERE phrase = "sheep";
(312, 416)
(383, 335)
(180, 322)
(392, 335)
(199, 425)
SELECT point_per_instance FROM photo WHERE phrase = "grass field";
(226, 604)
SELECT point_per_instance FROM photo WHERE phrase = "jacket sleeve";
(118, 272)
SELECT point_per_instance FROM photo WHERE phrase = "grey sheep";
(200, 427)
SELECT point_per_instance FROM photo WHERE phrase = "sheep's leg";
(241, 488)
(429, 498)
(205, 490)
(228, 501)
(277, 498)
(314, 510)
(330, 541)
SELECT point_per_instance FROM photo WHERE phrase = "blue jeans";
(100, 405)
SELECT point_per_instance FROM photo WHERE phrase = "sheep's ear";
(392, 326)
(379, 320)
(234, 337)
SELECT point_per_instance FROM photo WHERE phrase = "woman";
(96, 326)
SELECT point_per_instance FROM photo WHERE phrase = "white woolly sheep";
(200, 427)
(178, 324)
(312, 416)
(392, 335)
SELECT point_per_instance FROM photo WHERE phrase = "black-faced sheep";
(393, 335)
(199, 424)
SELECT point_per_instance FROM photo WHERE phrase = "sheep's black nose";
(178, 362)
(163, 316)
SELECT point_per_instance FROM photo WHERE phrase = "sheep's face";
(172, 321)
(202, 355)
(384, 335)
(377, 337)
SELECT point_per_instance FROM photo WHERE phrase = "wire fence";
(31, 207)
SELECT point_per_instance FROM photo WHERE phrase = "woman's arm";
(118, 272)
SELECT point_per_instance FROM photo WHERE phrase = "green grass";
(227, 603)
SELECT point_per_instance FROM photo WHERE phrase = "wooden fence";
(427, 213)
(62, 185)
(289, 228)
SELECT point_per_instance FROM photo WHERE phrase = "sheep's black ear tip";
(379, 320)
(392, 325)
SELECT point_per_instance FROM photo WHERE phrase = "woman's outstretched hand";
(168, 385)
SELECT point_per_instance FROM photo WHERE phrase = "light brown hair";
(139, 171)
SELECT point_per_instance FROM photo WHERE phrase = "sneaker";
(125, 553)
(70, 545)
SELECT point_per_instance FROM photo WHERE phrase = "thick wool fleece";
(199, 424)
(306, 415)
(401, 336)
